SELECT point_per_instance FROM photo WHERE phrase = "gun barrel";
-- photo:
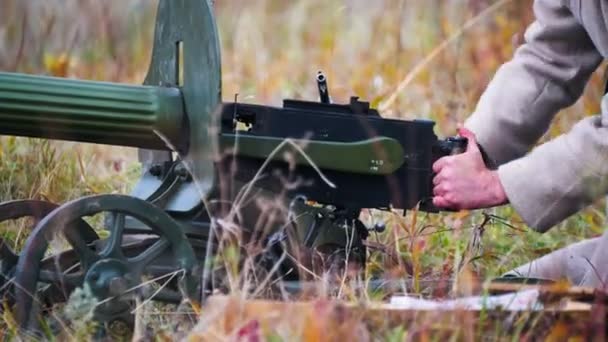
(96, 112)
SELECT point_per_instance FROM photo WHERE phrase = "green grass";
(271, 50)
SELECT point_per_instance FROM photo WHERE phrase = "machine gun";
(203, 161)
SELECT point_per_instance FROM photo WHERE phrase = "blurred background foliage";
(271, 50)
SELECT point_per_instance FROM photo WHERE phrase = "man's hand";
(463, 181)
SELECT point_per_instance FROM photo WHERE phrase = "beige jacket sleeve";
(547, 73)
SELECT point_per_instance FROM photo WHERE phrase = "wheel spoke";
(85, 254)
(158, 270)
(164, 295)
(147, 256)
(7, 254)
(114, 245)
(51, 277)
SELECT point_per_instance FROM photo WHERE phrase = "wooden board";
(238, 319)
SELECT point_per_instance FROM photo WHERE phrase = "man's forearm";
(560, 177)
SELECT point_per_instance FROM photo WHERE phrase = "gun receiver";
(371, 162)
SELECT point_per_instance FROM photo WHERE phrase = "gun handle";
(448, 147)
(457, 144)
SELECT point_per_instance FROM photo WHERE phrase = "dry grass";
(413, 59)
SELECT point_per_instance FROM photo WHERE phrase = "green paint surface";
(376, 156)
(97, 112)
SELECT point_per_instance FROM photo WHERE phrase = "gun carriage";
(203, 162)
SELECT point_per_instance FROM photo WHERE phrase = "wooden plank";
(557, 291)
(329, 320)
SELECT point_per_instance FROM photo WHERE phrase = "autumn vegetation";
(411, 59)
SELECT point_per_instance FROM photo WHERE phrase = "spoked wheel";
(36, 210)
(114, 273)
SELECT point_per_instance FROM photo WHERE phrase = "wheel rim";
(36, 209)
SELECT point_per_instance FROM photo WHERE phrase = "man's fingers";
(436, 190)
(440, 189)
(440, 202)
(443, 176)
(441, 163)
(471, 138)
(437, 179)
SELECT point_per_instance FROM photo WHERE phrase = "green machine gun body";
(203, 161)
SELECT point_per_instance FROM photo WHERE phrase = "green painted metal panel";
(97, 112)
(191, 25)
(376, 156)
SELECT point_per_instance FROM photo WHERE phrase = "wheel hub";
(109, 278)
